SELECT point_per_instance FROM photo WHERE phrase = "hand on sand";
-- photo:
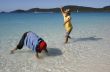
(36, 58)
(12, 52)
(47, 54)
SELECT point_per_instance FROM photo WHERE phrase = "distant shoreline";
(44, 12)
(56, 10)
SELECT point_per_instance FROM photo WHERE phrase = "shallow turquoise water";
(15, 24)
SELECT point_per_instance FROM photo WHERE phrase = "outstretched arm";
(62, 10)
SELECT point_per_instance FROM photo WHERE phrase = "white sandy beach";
(88, 51)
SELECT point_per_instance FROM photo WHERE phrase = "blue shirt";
(32, 40)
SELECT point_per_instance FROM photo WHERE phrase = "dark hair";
(68, 13)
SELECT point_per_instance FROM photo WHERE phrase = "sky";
(10, 5)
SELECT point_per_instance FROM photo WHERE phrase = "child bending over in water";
(32, 41)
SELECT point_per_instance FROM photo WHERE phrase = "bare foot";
(65, 42)
(69, 37)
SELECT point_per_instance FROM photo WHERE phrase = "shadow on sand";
(54, 52)
(51, 52)
(93, 38)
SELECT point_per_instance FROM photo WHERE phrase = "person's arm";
(37, 55)
(67, 21)
(62, 10)
(46, 50)
(12, 51)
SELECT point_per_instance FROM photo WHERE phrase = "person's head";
(42, 46)
(67, 11)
